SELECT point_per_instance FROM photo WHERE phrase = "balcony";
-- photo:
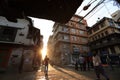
(104, 44)
(57, 41)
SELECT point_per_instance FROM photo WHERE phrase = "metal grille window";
(7, 33)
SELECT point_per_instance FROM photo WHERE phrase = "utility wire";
(89, 3)
(95, 12)
(80, 11)
(100, 2)
(107, 9)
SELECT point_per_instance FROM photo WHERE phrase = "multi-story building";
(104, 37)
(116, 16)
(19, 43)
(50, 48)
(68, 40)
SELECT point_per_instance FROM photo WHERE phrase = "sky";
(104, 10)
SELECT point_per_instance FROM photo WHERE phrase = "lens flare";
(44, 52)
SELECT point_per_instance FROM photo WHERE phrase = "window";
(76, 48)
(84, 39)
(7, 33)
(64, 46)
(73, 31)
(84, 48)
(118, 25)
(81, 26)
(74, 38)
(106, 32)
(64, 29)
(81, 32)
(66, 37)
(72, 24)
(98, 36)
(102, 34)
(90, 32)
(111, 22)
(112, 50)
(96, 28)
(102, 24)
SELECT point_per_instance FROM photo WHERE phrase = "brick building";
(68, 41)
(104, 37)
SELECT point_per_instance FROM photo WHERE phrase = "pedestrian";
(76, 65)
(109, 62)
(46, 61)
(119, 60)
(98, 67)
(84, 63)
(81, 62)
(20, 68)
(88, 62)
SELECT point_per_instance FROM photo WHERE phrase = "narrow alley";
(58, 73)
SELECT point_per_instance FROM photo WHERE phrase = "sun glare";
(44, 52)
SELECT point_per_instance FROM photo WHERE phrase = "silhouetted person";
(109, 62)
(81, 62)
(46, 61)
(85, 62)
(76, 65)
(98, 67)
(89, 62)
(21, 64)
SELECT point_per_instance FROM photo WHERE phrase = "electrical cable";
(95, 12)
(90, 2)
(100, 2)
(87, 4)
(107, 9)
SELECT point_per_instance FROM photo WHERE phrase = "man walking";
(81, 62)
(98, 67)
(109, 62)
(46, 60)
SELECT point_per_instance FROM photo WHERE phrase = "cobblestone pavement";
(58, 73)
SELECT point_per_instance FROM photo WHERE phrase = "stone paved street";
(58, 73)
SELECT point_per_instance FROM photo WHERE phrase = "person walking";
(81, 62)
(76, 64)
(98, 67)
(89, 62)
(46, 61)
(85, 63)
(109, 62)
(21, 64)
